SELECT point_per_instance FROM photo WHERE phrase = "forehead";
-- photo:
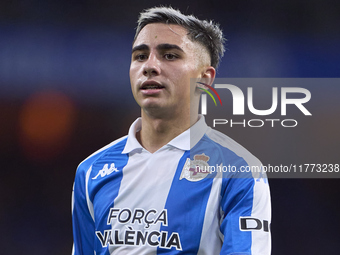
(159, 33)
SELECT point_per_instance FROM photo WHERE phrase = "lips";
(150, 85)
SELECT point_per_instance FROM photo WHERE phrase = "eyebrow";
(140, 47)
(164, 46)
(167, 46)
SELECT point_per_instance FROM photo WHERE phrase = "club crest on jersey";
(197, 169)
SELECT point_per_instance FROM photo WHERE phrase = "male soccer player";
(155, 191)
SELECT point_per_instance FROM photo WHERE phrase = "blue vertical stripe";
(237, 200)
(186, 205)
(104, 190)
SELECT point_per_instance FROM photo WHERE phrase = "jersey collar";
(191, 136)
(184, 141)
(132, 142)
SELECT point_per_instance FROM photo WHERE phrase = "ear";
(208, 75)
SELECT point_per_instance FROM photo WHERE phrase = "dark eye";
(141, 57)
(170, 56)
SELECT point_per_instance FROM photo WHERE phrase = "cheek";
(132, 71)
(134, 67)
(184, 73)
(133, 75)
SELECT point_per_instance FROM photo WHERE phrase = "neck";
(157, 132)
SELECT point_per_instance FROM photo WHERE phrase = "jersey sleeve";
(82, 221)
(246, 216)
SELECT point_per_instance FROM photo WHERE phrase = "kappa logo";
(106, 170)
(196, 169)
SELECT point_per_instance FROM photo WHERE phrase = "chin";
(157, 110)
(151, 103)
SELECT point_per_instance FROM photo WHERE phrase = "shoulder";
(115, 146)
(231, 145)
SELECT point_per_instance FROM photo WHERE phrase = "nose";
(151, 66)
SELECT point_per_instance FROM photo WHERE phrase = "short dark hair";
(207, 33)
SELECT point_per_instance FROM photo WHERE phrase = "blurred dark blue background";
(65, 92)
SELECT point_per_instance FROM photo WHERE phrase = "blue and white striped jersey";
(189, 197)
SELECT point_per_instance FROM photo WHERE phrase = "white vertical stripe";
(72, 201)
(210, 240)
(89, 203)
(261, 240)
(145, 185)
